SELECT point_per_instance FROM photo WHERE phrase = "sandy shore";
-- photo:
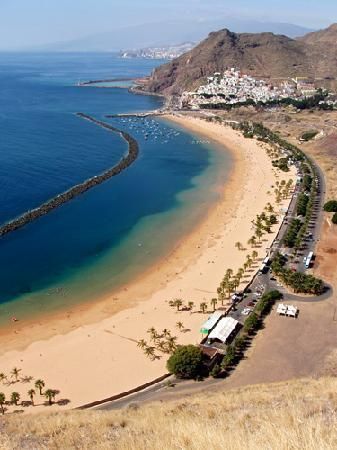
(91, 352)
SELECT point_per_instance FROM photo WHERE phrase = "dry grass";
(300, 414)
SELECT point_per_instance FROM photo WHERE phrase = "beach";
(90, 352)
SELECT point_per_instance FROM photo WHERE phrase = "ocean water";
(112, 233)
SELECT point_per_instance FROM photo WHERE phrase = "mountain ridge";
(263, 55)
(158, 34)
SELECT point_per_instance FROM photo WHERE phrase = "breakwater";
(75, 191)
(109, 80)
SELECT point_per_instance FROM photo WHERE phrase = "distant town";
(165, 52)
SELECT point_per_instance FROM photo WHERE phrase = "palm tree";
(39, 384)
(15, 373)
(31, 394)
(2, 402)
(141, 343)
(214, 301)
(180, 326)
(229, 274)
(249, 261)
(203, 307)
(49, 394)
(178, 303)
(221, 295)
(3, 377)
(259, 233)
(15, 397)
(190, 305)
(240, 273)
(166, 333)
(153, 333)
(255, 255)
(171, 343)
(238, 245)
(162, 347)
(149, 351)
(252, 241)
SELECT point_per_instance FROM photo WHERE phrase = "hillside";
(259, 54)
(299, 414)
(322, 48)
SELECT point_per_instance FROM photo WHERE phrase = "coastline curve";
(75, 191)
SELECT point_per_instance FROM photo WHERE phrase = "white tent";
(224, 329)
(292, 311)
(282, 309)
(211, 322)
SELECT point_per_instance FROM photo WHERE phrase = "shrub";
(334, 219)
(215, 372)
(229, 357)
(307, 182)
(308, 135)
(302, 204)
(267, 301)
(291, 235)
(185, 362)
(331, 206)
(251, 323)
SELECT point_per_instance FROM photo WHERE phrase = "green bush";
(307, 182)
(302, 204)
(292, 232)
(267, 301)
(185, 362)
(229, 357)
(251, 323)
(308, 135)
(331, 206)
(215, 372)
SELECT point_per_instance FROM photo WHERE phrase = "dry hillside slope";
(299, 415)
(260, 54)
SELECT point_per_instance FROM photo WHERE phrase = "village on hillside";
(235, 88)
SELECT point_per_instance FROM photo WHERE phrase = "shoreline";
(117, 299)
(110, 328)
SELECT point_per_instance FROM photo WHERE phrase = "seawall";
(79, 189)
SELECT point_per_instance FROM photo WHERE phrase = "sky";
(37, 22)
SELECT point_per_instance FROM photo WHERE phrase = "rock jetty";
(75, 191)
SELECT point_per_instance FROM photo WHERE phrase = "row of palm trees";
(179, 304)
(15, 397)
(231, 281)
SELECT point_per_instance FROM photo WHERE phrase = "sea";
(103, 239)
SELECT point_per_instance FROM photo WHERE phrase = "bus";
(308, 260)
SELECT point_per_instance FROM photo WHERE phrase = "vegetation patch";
(331, 206)
(309, 135)
(186, 362)
(299, 282)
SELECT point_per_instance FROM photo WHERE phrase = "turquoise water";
(112, 233)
